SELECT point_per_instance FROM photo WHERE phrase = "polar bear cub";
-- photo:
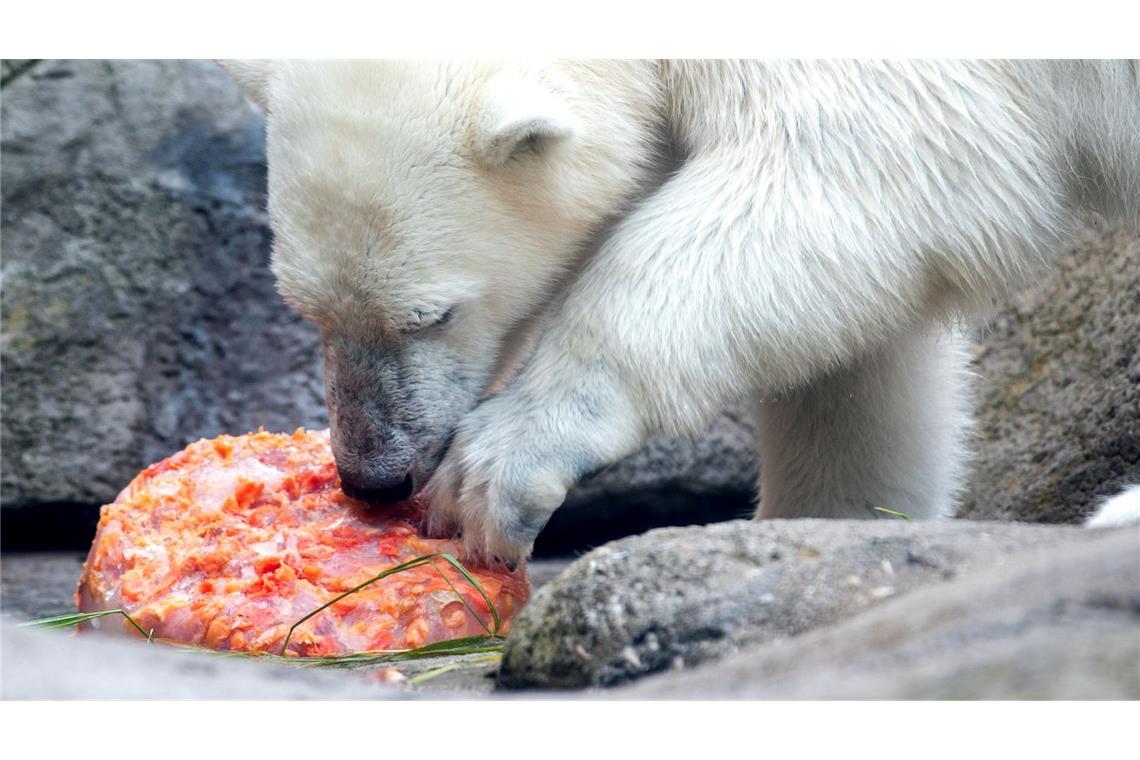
(521, 271)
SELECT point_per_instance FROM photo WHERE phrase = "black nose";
(381, 491)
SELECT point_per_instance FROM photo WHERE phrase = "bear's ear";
(252, 75)
(521, 116)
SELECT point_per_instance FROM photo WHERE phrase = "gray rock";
(682, 596)
(708, 478)
(1061, 622)
(138, 313)
(1059, 418)
(39, 584)
(12, 68)
(54, 665)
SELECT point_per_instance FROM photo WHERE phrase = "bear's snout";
(372, 468)
(386, 489)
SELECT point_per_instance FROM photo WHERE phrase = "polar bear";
(521, 271)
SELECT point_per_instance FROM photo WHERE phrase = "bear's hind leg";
(887, 432)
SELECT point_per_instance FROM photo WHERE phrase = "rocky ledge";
(814, 608)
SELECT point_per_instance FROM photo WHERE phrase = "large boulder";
(1059, 382)
(678, 597)
(1057, 622)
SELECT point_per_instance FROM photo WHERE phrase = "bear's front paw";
(498, 484)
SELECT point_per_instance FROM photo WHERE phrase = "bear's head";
(425, 215)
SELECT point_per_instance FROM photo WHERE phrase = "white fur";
(817, 229)
(886, 432)
(1119, 510)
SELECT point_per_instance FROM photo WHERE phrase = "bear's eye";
(426, 318)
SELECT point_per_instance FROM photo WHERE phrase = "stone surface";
(12, 68)
(49, 664)
(139, 313)
(681, 596)
(54, 665)
(39, 584)
(1059, 382)
(1061, 622)
(708, 478)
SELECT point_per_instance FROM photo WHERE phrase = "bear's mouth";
(424, 471)
(381, 496)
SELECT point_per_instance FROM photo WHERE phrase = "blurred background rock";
(139, 314)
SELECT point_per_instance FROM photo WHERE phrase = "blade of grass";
(433, 673)
(390, 571)
(428, 675)
(491, 643)
(463, 599)
(459, 643)
(471, 579)
(423, 560)
(465, 645)
(66, 621)
(468, 645)
(892, 513)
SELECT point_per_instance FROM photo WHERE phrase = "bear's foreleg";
(886, 432)
(703, 294)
